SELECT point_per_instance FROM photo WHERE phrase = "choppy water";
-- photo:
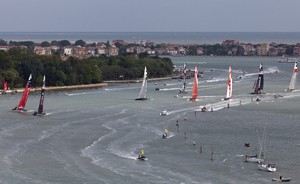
(94, 136)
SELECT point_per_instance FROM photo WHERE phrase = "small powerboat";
(164, 113)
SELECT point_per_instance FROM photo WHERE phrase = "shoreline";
(84, 86)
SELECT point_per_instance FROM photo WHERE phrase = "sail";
(229, 85)
(182, 89)
(4, 86)
(259, 83)
(41, 104)
(142, 152)
(166, 131)
(294, 77)
(24, 98)
(143, 91)
(195, 86)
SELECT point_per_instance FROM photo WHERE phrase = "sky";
(149, 15)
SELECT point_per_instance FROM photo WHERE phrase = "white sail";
(143, 92)
(182, 89)
(229, 85)
(293, 79)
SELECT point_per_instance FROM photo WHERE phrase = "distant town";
(82, 50)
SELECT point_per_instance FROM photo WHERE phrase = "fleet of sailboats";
(293, 79)
(24, 98)
(143, 91)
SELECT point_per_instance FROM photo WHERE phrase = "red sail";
(195, 86)
(24, 98)
(4, 86)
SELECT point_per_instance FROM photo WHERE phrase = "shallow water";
(94, 136)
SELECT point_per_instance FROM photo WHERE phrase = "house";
(249, 50)
(42, 50)
(113, 50)
(262, 49)
(296, 51)
(4, 48)
(68, 51)
(200, 51)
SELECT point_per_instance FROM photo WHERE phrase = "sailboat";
(293, 79)
(41, 104)
(4, 88)
(229, 85)
(195, 86)
(143, 95)
(262, 165)
(259, 83)
(182, 89)
(257, 158)
(24, 98)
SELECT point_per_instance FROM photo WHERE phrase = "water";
(157, 37)
(94, 136)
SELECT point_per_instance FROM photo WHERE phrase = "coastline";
(84, 86)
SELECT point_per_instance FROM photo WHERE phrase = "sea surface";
(94, 135)
(157, 37)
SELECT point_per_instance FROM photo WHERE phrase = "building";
(113, 50)
(68, 51)
(200, 51)
(4, 48)
(262, 49)
(296, 51)
(249, 50)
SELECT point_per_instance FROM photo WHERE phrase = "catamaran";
(293, 79)
(143, 95)
(259, 83)
(195, 86)
(24, 98)
(229, 85)
(41, 104)
(182, 89)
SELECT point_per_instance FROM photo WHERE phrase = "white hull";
(267, 167)
(254, 159)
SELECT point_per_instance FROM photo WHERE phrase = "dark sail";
(259, 83)
(41, 104)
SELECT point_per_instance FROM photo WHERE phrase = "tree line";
(17, 64)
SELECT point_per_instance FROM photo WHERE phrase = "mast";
(24, 98)
(294, 77)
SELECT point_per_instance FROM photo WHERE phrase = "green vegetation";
(18, 63)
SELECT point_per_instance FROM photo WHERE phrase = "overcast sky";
(149, 15)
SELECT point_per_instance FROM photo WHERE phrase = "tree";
(64, 43)
(45, 44)
(3, 42)
(80, 42)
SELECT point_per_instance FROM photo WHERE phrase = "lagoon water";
(95, 135)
